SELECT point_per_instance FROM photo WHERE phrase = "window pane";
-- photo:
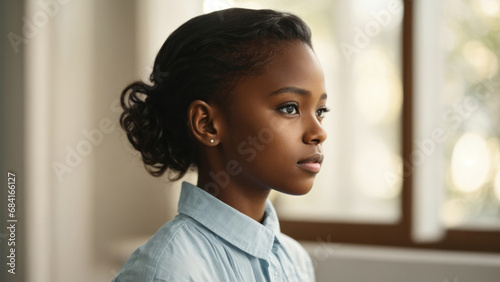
(359, 45)
(471, 97)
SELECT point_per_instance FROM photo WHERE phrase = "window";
(471, 99)
(395, 71)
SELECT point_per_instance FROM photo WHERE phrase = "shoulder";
(299, 256)
(170, 254)
(294, 249)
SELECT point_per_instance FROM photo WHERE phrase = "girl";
(239, 95)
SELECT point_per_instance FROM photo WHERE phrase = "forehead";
(296, 65)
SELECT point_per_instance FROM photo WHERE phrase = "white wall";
(79, 56)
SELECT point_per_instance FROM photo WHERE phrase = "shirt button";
(275, 249)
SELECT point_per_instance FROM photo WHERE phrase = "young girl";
(239, 95)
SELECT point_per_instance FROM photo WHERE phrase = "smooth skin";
(273, 123)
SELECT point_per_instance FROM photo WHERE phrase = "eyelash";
(296, 107)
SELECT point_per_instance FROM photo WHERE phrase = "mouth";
(312, 163)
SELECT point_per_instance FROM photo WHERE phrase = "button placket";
(275, 263)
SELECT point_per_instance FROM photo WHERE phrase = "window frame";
(400, 233)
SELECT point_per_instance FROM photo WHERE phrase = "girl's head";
(237, 93)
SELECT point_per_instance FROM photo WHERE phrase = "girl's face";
(273, 129)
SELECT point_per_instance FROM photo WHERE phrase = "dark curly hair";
(201, 60)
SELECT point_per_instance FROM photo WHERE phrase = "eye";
(321, 112)
(290, 109)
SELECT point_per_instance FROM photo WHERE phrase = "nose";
(314, 132)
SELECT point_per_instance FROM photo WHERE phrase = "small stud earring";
(212, 141)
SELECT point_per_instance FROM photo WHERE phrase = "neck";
(247, 197)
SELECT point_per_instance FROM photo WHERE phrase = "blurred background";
(410, 186)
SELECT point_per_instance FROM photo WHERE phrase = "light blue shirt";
(211, 241)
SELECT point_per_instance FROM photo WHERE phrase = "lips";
(312, 163)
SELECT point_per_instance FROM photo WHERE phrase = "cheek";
(254, 145)
(267, 155)
(268, 152)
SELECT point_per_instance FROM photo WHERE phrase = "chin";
(297, 188)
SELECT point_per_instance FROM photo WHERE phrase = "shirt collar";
(233, 226)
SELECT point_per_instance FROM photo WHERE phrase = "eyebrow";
(295, 90)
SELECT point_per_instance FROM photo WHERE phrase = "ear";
(203, 124)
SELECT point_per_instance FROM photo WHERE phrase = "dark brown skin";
(261, 138)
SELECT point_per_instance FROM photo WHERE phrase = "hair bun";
(142, 125)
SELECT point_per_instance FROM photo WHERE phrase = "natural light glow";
(496, 185)
(453, 212)
(449, 38)
(470, 162)
(215, 5)
(372, 164)
(494, 148)
(481, 58)
(378, 92)
(250, 4)
(489, 7)
(453, 90)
